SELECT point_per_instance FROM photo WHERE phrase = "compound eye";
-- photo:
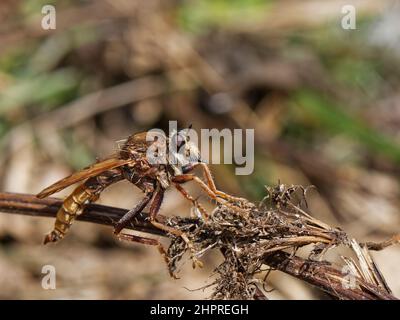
(180, 141)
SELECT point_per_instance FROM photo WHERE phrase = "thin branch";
(382, 245)
(325, 277)
(29, 205)
(320, 274)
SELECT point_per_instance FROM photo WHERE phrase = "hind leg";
(151, 242)
(156, 199)
(127, 218)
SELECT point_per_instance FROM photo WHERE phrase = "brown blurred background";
(323, 101)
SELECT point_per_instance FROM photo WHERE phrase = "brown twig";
(382, 245)
(324, 277)
(31, 206)
(320, 274)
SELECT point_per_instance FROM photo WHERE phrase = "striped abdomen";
(74, 204)
(71, 207)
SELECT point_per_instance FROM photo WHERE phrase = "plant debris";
(251, 236)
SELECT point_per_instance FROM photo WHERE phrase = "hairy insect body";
(131, 162)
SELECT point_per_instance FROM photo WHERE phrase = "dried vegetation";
(251, 237)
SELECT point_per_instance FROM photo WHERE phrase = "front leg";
(210, 181)
(183, 178)
(230, 202)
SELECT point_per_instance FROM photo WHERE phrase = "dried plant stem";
(382, 245)
(31, 206)
(325, 277)
(322, 275)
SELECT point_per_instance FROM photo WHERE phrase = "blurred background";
(324, 103)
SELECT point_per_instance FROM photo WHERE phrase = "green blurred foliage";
(46, 90)
(33, 7)
(200, 16)
(330, 117)
(77, 154)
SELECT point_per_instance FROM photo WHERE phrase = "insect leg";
(149, 241)
(154, 208)
(191, 199)
(126, 219)
(190, 177)
(74, 204)
(210, 182)
(134, 238)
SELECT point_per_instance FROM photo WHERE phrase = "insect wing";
(88, 172)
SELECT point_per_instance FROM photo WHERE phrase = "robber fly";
(130, 162)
